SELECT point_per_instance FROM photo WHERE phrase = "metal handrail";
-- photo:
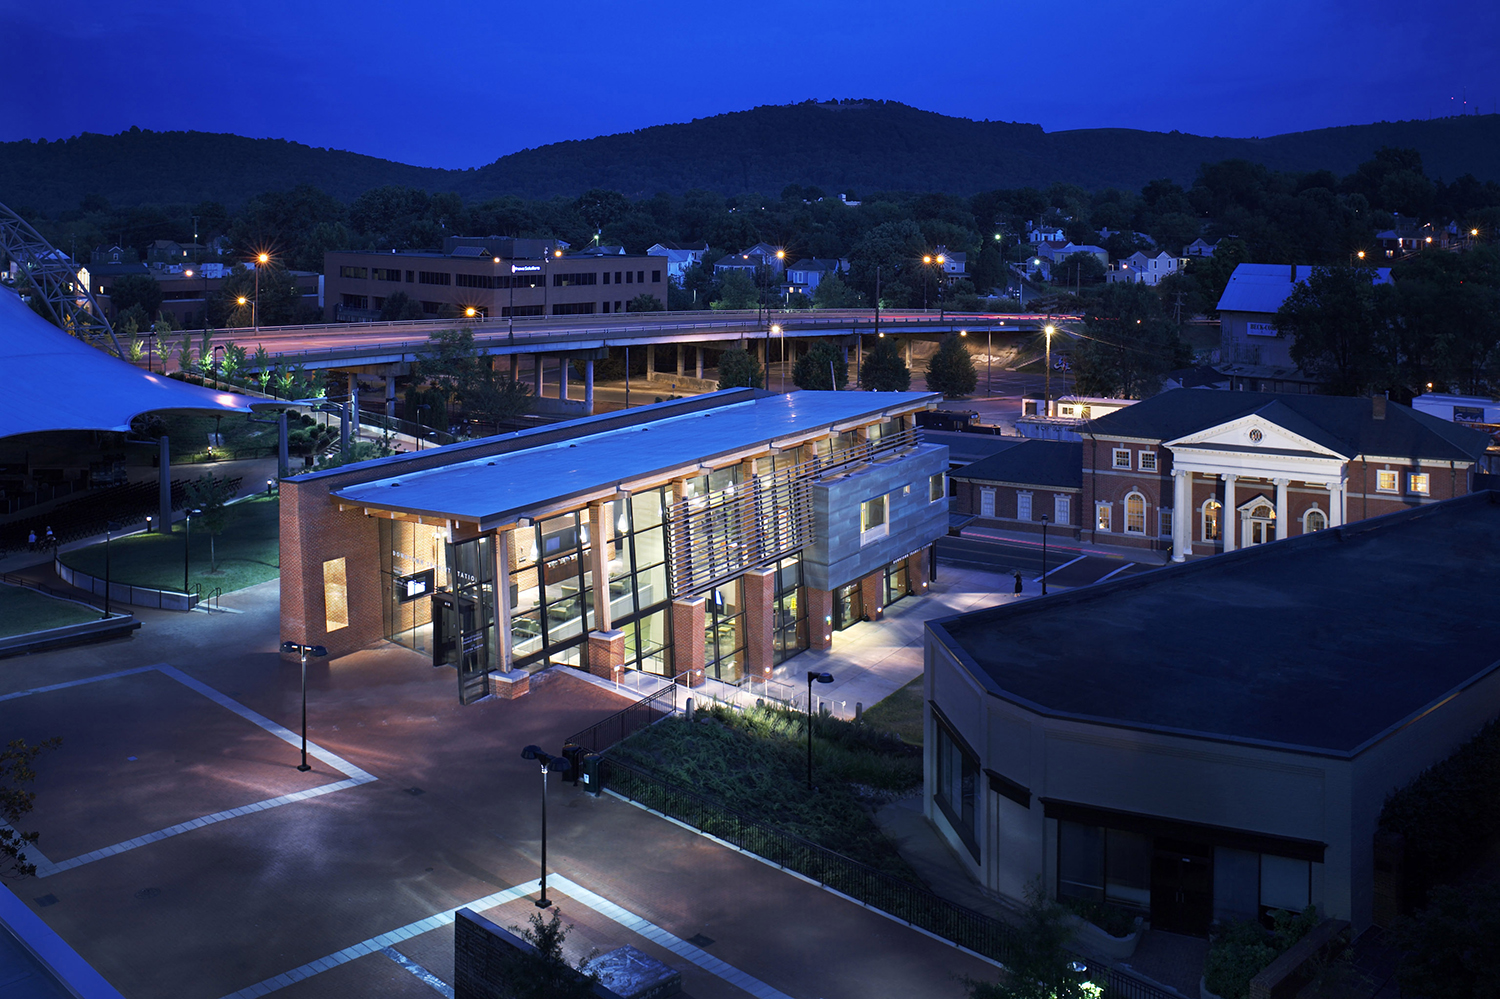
(590, 739)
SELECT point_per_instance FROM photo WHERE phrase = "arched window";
(1210, 517)
(1135, 514)
(1314, 520)
(1262, 512)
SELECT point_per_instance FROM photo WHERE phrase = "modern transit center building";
(707, 537)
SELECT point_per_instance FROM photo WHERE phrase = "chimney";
(1377, 407)
(1294, 273)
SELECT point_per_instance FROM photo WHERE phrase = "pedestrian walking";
(31, 539)
(1018, 583)
(51, 540)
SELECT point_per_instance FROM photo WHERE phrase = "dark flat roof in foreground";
(1322, 642)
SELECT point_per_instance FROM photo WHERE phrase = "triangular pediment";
(1273, 429)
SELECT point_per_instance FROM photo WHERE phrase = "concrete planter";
(1092, 940)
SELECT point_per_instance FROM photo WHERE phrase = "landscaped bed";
(246, 553)
(23, 611)
(755, 763)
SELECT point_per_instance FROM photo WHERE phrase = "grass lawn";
(900, 714)
(248, 552)
(756, 762)
(23, 611)
(190, 435)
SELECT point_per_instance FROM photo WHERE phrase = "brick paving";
(451, 817)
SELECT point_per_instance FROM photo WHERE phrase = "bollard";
(687, 709)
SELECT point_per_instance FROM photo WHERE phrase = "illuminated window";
(1418, 483)
(1135, 514)
(1122, 457)
(937, 488)
(1148, 461)
(1211, 510)
(1102, 516)
(1385, 480)
(335, 595)
(1313, 520)
(872, 520)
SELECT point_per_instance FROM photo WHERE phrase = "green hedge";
(1448, 815)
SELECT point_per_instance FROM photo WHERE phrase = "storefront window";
(1102, 864)
(897, 579)
(957, 784)
(790, 610)
(724, 633)
(848, 606)
(413, 563)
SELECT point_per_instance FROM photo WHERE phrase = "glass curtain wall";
(790, 610)
(471, 578)
(550, 578)
(724, 633)
(413, 559)
(897, 580)
(640, 597)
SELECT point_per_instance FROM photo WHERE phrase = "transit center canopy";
(57, 382)
(490, 489)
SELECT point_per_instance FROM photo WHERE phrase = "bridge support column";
(588, 385)
(390, 396)
(515, 367)
(562, 377)
(650, 362)
(679, 360)
(536, 375)
(353, 384)
(700, 360)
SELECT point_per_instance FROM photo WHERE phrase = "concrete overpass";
(387, 350)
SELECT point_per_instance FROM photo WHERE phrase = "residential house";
(805, 275)
(1045, 234)
(1200, 247)
(1199, 472)
(680, 256)
(1144, 268)
(764, 255)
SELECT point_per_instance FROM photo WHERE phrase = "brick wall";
(688, 616)
(819, 618)
(760, 602)
(314, 531)
(872, 594)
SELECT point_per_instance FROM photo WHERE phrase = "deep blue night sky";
(457, 84)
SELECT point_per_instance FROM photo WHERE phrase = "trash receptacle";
(571, 752)
(592, 766)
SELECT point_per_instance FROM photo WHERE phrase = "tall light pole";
(1044, 555)
(989, 361)
(187, 543)
(547, 760)
(1049, 329)
(821, 678)
(317, 652)
(109, 528)
(776, 329)
(261, 259)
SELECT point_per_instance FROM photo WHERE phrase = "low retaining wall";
(1284, 977)
(124, 593)
(69, 634)
(483, 955)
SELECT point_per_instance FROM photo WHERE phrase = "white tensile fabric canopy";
(56, 382)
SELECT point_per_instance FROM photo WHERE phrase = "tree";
(16, 802)
(136, 290)
(833, 292)
(740, 369)
(209, 495)
(279, 304)
(645, 303)
(951, 370)
(1078, 269)
(400, 306)
(737, 290)
(1336, 317)
(542, 972)
(1040, 966)
(1128, 344)
(884, 369)
(821, 369)
(1452, 946)
(454, 363)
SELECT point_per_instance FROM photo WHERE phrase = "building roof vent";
(1377, 407)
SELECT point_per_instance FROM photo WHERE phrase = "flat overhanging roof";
(499, 488)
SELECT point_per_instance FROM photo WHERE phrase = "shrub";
(1243, 949)
(1112, 919)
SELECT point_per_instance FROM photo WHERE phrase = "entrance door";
(1182, 887)
(1260, 526)
(458, 639)
(848, 606)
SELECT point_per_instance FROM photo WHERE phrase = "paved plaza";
(186, 857)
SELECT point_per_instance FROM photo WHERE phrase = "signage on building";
(523, 268)
(417, 585)
(1261, 329)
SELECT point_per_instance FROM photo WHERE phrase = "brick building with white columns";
(1200, 472)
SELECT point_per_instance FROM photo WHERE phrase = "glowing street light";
(1049, 329)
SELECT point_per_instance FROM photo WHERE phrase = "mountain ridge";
(859, 145)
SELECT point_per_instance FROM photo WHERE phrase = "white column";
(599, 524)
(1335, 504)
(563, 364)
(1283, 515)
(700, 361)
(1182, 517)
(536, 376)
(1229, 517)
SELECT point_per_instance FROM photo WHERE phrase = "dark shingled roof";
(1032, 463)
(1341, 423)
(1323, 641)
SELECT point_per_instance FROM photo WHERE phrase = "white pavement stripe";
(33, 855)
(77, 683)
(416, 969)
(198, 823)
(1116, 572)
(373, 944)
(1060, 568)
(659, 936)
(281, 732)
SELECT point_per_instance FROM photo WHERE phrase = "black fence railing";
(629, 720)
(82, 596)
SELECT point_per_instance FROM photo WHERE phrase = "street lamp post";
(317, 652)
(1044, 556)
(109, 528)
(547, 761)
(821, 678)
(261, 259)
(1049, 329)
(989, 360)
(778, 331)
(187, 543)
